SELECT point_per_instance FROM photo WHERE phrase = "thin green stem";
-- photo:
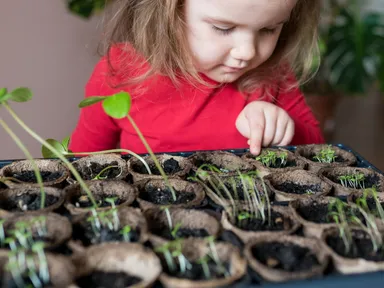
(22, 147)
(54, 151)
(113, 151)
(158, 166)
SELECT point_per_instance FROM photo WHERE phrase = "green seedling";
(125, 232)
(369, 227)
(177, 252)
(309, 192)
(38, 248)
(165, 250)
(113, 211)
(168, 215)
(175, 230)
(117, 106)
(337, 212)
(2, 232)
(23, 95)
(215, 256)
(203, 261)
(326, 155)
(100, 175)
(355, 181)
(271, 158)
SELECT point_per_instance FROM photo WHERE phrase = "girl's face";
(227, 38)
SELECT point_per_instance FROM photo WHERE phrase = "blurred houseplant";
(352, 59)
(86, 8)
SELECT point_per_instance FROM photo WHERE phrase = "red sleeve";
(95, 130)
(307, 130)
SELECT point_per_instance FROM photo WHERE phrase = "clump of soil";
(278, 223)
(94, 168)
(361, 247)
(294, 188)
(285, 256)
(84, 202)
(88, 237)
(100, 279)
(170, 166)
(164, 196)
(29, 176)
(26, 202)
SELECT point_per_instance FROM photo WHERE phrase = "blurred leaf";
(21, 94)
(91, 100)
(3, 91)
(65, 142)
(118, 105)
(57, 145)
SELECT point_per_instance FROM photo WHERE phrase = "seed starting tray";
(334, 280)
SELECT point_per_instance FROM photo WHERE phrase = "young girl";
(205, 74)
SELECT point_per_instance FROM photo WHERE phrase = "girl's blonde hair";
(155, 29)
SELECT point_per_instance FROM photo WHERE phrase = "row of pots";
(177, 166)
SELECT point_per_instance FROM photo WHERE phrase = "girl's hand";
(265, 124)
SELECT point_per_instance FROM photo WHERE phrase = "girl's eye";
(223, 31)
(268, 30)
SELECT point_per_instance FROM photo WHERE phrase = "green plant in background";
(86, 8)
(355, 54)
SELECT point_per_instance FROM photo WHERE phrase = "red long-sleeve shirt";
(173, 119)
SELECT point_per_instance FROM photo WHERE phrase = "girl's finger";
(281, 127)
(270, 129)
(289, 132)
(256, 123)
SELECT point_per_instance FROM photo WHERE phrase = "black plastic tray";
(371, 280)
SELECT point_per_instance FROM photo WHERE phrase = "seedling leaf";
(65, 142)
(21, 94)
(3, 91)
(57, 145)
(118, 105)
(91, 100)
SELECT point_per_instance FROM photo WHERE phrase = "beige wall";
(52, 52)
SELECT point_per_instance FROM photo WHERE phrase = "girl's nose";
(244, 51)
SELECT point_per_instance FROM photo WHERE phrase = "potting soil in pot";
(99, 279)
(88, 237)
(164, 232)
(164, 196)
(361, 247)
(278, 223)
(294, 188)
(285, 256)
(26, 202)
(170, 166)
(93, 170)
(196, 271)
(83, 201)
(29, 176)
